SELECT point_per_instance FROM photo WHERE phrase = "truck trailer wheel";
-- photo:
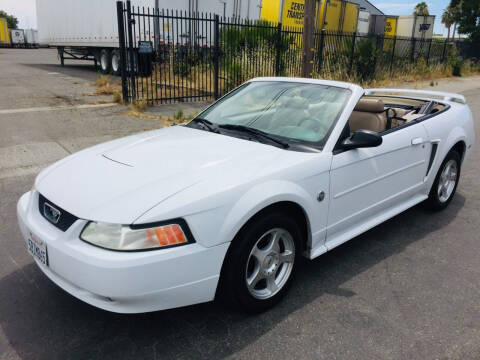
(105, 61)
(115, 62)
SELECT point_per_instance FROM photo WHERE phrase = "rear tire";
(105, 61)
(261, 263)
(445, 184)
(115, 62)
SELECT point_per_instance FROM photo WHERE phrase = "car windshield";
(293, 111)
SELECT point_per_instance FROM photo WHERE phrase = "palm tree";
(454, 10)
(448, 19)
(421, 9)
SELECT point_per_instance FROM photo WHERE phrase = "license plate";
(38, 249)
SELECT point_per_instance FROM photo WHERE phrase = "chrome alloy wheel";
(270, 263)
(447, 181)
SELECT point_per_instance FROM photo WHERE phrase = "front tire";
(445, 184)
(261, 263)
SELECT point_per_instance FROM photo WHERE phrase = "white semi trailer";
(31, 38)
(18, 37)
(88, 29)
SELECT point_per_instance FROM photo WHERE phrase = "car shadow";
(41, 321)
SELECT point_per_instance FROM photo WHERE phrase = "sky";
(405, 7)
(24, 10)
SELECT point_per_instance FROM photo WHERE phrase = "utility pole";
(308, 30)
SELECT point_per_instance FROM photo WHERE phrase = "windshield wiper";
(206, 123)
(253, 131)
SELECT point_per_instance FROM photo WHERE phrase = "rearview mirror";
(362, 139)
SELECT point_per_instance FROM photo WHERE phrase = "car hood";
(119, 181)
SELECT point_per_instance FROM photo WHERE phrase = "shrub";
(455, 62)
(421, 68)
(117, 97)
(178, 114)
(182, 69)
(365, 57)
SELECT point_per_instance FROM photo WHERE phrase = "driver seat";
(368, 114)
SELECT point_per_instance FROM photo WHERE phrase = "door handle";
(417, 141)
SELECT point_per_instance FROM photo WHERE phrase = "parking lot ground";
(407, 289)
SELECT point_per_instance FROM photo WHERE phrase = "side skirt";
(366, 225)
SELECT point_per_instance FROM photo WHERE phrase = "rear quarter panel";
(448, 128)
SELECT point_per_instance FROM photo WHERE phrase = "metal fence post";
(216, 54)
(121, 43)
(412, 55)
(278, 46)
(429, 48)
(352, 53)
(393, 55)
(375, 58)
(131, 53)
(444, 50)
(320, 50)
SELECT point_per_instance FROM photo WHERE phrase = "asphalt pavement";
(407, 289)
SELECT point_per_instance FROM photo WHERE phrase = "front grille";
(65, 219)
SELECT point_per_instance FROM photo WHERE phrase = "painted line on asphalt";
(53, 108)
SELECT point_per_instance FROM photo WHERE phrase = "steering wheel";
(321, 124)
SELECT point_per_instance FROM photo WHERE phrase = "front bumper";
(132, 282)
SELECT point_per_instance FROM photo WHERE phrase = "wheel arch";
(287, 207)
(270, 196)
(460, 147)
(455, 141)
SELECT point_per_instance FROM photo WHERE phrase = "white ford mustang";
(227, 204)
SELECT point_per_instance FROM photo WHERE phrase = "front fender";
(260, 197)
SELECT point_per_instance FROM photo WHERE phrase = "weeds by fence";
(202, 56)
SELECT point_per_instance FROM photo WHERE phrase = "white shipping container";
(93, 23)
(31, 37)
(363, 23)
(420, 27)
(17, 36)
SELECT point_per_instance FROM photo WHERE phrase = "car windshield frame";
(294, 143)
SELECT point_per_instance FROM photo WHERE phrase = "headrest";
(370, 105)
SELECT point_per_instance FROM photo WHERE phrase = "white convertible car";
(227, 204)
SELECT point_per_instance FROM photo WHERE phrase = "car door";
(369, 185)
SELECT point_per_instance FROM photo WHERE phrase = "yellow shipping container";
(270, 10)
(350, 17)
(390, 26)
(4, 32)
(332, 15)
(293, 11)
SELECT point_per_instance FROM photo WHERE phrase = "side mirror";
(362, 139)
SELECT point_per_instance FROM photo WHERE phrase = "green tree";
(12, 21)
(421, 9)
(448, 19)
(468, 17)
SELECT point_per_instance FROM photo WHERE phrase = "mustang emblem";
(51, 213)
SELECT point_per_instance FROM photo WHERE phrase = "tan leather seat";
(369, 114)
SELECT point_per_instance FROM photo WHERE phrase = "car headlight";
(137, 237)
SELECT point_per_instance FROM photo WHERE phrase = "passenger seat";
(369, 114)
